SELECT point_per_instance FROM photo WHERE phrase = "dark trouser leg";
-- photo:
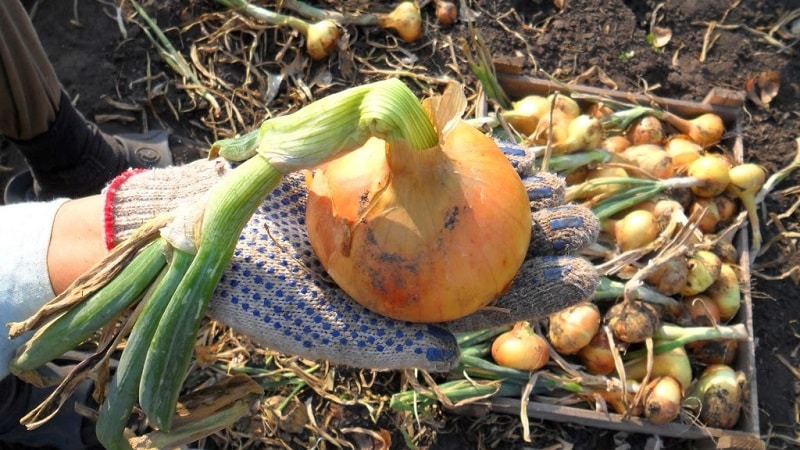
(68, 156)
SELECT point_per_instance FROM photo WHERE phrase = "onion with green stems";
(597, 356)
(185, 271)
(526, 113)
(745, 182)
(405, 18)
(706, 129)
(322, 37)
(673, 363)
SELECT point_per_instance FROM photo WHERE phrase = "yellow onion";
(726, 207)
(552, 127)
(635, 230)
(422, 235)
(321, 38)
(651, 158)
(405, 20)
(711, 171)
(671, 363)
(520, 348)
(716, 397)
(683, 152)
(571, 329)
(745, 181)
(446, 13)
(708, 222)
(599, 110)
(526, 113)
(725, 250)
(645, 130)
(662, 400)
(632, 321)
(615, 144)
(714, 351)
(670, 277)
(725, 292)
(704, 269)
(564, 104)
(597, 356)
(583, 133)
(706, 129)
(699, 310)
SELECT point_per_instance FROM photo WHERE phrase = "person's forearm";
(76, 242)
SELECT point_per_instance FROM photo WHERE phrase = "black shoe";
(157, 148)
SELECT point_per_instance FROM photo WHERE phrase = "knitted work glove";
(276, 292)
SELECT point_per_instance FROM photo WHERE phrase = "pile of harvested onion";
(660, 337)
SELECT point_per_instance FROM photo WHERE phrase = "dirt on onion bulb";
(716, 397)
(704, 269)
(632, 321)
(725, 292)
(571, 329)
(670, 277)
(521, 348)
(662, 400)
(652, 159)
(646, 130)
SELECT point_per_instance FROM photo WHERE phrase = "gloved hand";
(276, 292)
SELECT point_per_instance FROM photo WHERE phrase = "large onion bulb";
(422, 235)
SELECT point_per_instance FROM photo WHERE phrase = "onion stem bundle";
(670, 336)
(184, 272)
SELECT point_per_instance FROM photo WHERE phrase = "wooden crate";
(728, 105)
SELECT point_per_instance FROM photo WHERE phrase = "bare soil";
(95, 63)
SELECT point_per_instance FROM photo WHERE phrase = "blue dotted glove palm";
(276, 292)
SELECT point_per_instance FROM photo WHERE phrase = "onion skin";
(646, 130)
(670, 277)
(683, 152)
(725, 292)
(583, 133)
(632, 321)
(572, 329)
(673, 363)
(637, 229)
(651, 158)
(526, 113)
(597, 356)
(405, 20)
(407, 233)
(322, 39)
(615, 144)
(564, 104)
(706, 129)
(446, 13)
(704, 269)
(710, 220)
(716, 397)
(712, 172)
(699, 310)
(520, 348)
(662, 400)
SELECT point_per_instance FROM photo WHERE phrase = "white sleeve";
(25, 230)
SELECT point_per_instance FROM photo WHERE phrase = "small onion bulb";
(521, 348)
